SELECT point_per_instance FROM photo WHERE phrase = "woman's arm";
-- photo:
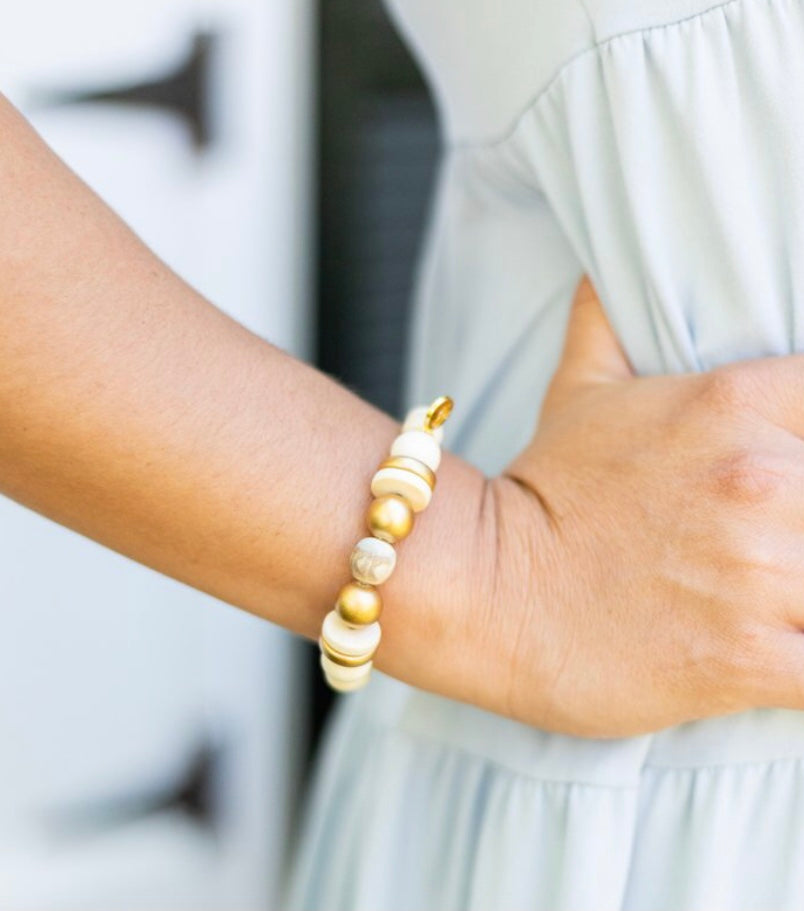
(638, 565)
(135, 412)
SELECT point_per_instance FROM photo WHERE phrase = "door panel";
(148, 733)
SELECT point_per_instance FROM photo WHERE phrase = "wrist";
(436, 601)
(522, 627)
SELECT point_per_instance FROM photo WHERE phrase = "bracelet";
(402, 486)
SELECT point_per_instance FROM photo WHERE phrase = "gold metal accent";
(359, 603)
(344, 660)
(438, 412)
(390, 518)
(414, 466)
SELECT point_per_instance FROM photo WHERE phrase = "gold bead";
(359, 603)
(390, 518)
(340, 658)
(406, 463)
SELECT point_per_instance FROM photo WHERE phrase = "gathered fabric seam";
(425, 737)
(726, 764)
(470, 145)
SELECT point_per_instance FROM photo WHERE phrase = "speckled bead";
(372, 561)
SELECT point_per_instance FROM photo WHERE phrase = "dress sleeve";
(673, 157)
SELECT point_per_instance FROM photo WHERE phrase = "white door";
(147, 747)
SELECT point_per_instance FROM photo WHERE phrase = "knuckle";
(745, 476)
(724, 390)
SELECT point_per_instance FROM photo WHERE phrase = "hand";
(666, 559)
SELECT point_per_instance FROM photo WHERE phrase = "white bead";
(344, 674)
(415, 418)
(343, 686)
(418, 444)
(372, 561)
(354, 641)
(405, 484)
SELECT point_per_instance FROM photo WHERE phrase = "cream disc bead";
(418, 444)
(359, 603)
(390, 518)
(353, 641)
(372, 561)
(414, 420)
(406, 463)
(403, 483)
(344, 674)
(343, 686)
(339, 657)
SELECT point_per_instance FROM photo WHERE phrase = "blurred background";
(155, 744)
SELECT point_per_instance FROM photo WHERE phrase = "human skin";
(565, 593)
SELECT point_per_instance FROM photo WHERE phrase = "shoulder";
(487, 60)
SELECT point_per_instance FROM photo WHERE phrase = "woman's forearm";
(637, 564)
(135, 412)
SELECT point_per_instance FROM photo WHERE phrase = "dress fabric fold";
(659, 147)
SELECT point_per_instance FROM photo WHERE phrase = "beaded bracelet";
(401, 486)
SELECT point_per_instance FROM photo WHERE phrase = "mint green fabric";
(659, 146)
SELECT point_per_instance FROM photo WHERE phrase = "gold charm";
(438, 412)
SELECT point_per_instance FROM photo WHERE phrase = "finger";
(592, 352)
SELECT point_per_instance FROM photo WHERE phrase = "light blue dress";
(659, 146)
